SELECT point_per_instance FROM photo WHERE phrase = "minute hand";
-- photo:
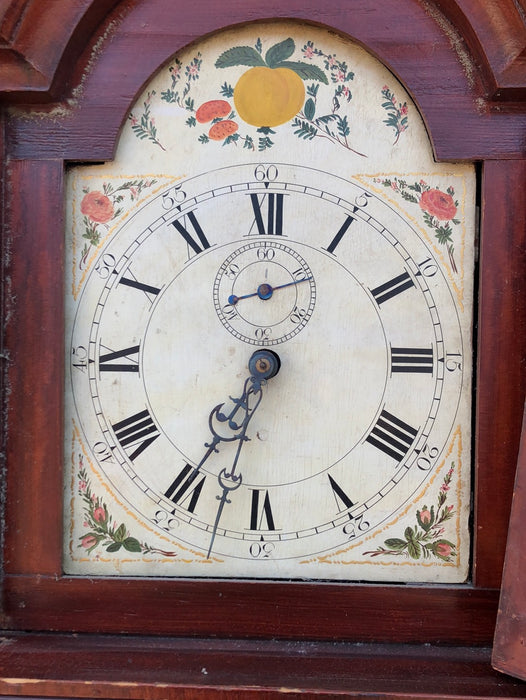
(263, 365)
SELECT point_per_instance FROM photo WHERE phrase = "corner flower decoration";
(100, 207)
(438, 209)
(425, 540)
(103, 531)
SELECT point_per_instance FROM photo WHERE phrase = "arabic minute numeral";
(263, 333)
(264, 253)
(165, 520)
(105, 266)
(428, 267)
(232, 271)
(453, 361)
(355, 527)
(102, 452)
(266, 173)
(79, 356)
(297, 315)
(173, 197)
(426, 457)
(261, 550)
(229, 312)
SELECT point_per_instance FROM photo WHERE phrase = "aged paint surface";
(274, 187)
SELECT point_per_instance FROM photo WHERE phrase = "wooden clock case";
(68, 75)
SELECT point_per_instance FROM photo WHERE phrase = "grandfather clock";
(264, 330)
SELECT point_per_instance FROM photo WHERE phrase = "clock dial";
(209, 283)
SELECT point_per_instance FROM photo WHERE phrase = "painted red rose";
(97, 207)
(439, 204)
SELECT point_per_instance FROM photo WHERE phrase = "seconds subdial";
(264, 293)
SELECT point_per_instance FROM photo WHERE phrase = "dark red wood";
(155, 669)
(501, 380)
(445, 83)
(483, 27)
(509, 650)
(309, 611)
(34, 338)
(465, 80)
(38, 45)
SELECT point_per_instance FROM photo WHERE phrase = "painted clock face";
(268, 329)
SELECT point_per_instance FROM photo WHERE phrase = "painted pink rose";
(97, 207)
(88, 541)
(99, 514)
(443, 549)
(439, 204)
(425, 516)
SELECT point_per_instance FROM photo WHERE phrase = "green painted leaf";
(409, 533)
(120, 533)
(279, 52)
(304, 130)
(310, 108)
(395, 543)
(306, 71)
(414, 550)
(114, 547)
(240, 56)
(130, 544)
(343, 127)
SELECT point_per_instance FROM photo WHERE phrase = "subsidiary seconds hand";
(265, 291)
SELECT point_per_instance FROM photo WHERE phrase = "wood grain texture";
(34, 39)
(166, 668)
(495, 34)
(39, 44)
(442, 81)
(501, 381)
(509, 649)
(310, 611)
(34, 332)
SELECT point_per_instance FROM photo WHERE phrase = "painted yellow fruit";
(268, 96)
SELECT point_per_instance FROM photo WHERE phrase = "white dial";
(360, 411)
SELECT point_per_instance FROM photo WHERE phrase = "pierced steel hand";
(265, 291)
(263, 365)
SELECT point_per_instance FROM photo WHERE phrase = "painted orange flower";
(97, 206)
(439, 204)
